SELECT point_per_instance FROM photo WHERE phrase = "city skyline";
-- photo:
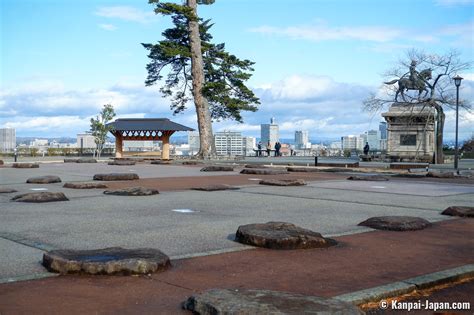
(57, 74)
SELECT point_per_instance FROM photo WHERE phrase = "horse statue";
(405, 84)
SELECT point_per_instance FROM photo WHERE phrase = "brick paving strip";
(360, 262)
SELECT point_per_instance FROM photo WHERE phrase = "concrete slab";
(19, 261)
(397, 187)
(85, 172)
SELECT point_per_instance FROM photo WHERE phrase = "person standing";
(269, 148)
(277, 148)
(366, 148)
(259, 147)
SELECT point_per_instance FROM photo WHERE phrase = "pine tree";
(199, 70)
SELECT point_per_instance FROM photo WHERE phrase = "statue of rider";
(413, 73)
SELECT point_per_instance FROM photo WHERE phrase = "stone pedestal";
(410, 132)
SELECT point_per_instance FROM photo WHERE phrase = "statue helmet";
(413, 63)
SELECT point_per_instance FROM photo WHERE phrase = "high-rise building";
(229, 143)
(7, 139)
(249, 144)
(269, 132)
(361, 140)
(373, 138)
(301, 139)
(349, 142)
(193, 141)
(383, 130)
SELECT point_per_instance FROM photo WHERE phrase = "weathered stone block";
(40, 197)
(242, 301)
(84, 185)
(133, 191)
(302, 169)
(375, 178)
(49, 179)
(283, 182)
(116, 176)
(396, 223)
(108, 261)
(459, 211)
(121, 162)
(267, 171)
(216, 187)
(7, 190)
(25, 165)
(217, 168)
(86, 160)
(281, 235)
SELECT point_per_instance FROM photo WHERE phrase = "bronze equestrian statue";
(416, 81)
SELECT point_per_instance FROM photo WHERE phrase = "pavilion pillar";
(118, 145)
(165, 153)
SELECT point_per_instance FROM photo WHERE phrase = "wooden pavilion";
(145, 129)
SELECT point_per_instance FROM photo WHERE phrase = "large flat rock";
(281, 235)
(302, 169)
(84, 185)
(7, 190)
(86, 160)
(133, 191)
(40, 197)
(217, 168)
(283, 182)
(216, 187)
(246, 302)
(265, 171)
(107, 261)
(25, 165)
(116, 176)
(396, 223)
(255, 166)
(121, 162)
(441, 174)
(373, 178)
(48, 179)
(459, 211)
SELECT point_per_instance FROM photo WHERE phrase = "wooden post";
(118, 145)
(165, 153)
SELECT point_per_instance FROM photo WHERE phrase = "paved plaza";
(93, 220)
(197, 229)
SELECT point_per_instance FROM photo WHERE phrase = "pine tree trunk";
(206, 138)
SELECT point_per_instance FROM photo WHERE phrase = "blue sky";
(316, 60)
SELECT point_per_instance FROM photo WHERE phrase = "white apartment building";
(249, 144)
(39, 143)
(229, 143)
(85, 140)
(349, 142)
(7, 139)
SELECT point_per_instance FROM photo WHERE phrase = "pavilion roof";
(147, 124)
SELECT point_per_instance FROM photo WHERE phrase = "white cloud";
(61, 125)
(108, 27)
(322, 32)
(125, 13)
(309, 88)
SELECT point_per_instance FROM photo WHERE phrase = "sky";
(315, 60)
